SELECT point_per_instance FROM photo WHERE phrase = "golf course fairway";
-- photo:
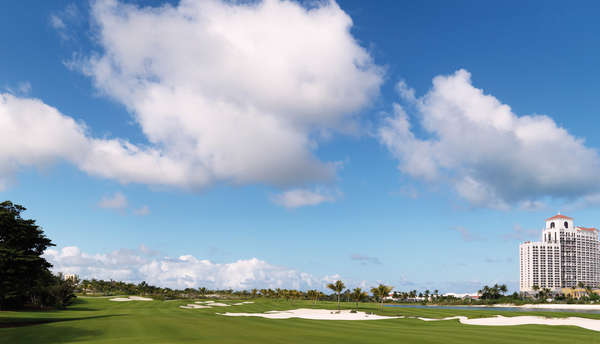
(99, 320)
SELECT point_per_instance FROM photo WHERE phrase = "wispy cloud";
(364, 260)
(56, 22)
(519, 233)
(62, 20)
(22, 88)
(467, 235)
(592, 200)
(148, 251)
(498, 260)
(116, 201)
(142, 211)
(296, 198)
(532, 205)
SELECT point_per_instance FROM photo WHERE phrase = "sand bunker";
(131, 298)
(218, 304)
(194, 306)
(499, 320)
(205, 304)
(314, 314)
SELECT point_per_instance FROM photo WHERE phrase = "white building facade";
(566, 256)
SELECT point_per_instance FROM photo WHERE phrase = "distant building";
(69, 277)
(566, 256)
(462, 296)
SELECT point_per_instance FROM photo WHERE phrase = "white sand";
(207, 304)
(554, 306)
(131, 298)
(499, 320)
(194, 306)
(121, 299)
(210, 304)
(248, 302)
(314, 314)
(218, 304)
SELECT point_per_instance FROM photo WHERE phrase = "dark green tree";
(23, 270)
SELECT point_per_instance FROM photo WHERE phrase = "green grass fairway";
(98, 320)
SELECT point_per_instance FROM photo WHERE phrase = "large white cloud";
(491, 156)
(35, 134)
(181, 272)
(229, 92)
(240, 91)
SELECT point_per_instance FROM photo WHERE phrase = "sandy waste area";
(327, 314)
(315, 314)
(499, 320)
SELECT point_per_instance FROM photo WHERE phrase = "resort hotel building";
(566, 256)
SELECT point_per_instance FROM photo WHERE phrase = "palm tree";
(503, 289)
(358, 295)
(535, 289)
(545, 293)
(588, 291)
(311, 295)
(337, 287)
(347, 293)
(381, 292)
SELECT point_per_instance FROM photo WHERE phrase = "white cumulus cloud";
(180, 272)
(491, 156)
(239, 91)
(230, 92)
(35, 134)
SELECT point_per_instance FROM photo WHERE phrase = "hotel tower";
(566, 256)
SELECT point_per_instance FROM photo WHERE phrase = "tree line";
(25, 277)
(26, 281)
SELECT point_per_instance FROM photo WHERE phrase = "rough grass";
(97, 320)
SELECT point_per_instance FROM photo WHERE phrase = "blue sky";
(263, 181)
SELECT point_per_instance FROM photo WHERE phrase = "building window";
(566, 224)
(551, 224)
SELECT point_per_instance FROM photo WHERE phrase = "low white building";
(566, 256)
(462, 295)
